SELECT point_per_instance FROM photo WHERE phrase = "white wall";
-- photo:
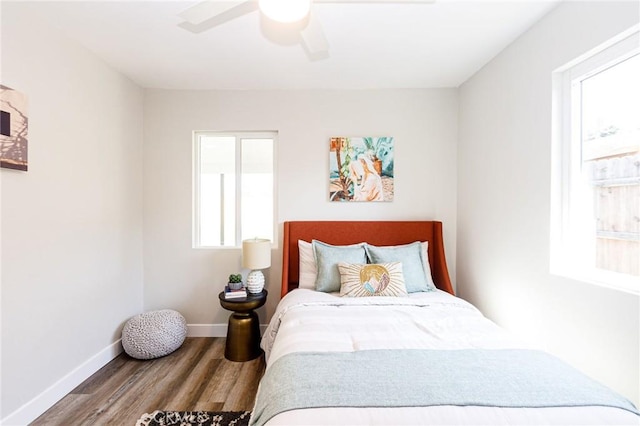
(72, 224)
(504, 202)
(423, 122)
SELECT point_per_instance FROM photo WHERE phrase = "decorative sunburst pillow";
(362, 280)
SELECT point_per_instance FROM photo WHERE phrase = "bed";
(409, 351)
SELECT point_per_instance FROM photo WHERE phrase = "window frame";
(196, 175)
(567, 163)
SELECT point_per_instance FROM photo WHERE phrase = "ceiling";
(370, 45)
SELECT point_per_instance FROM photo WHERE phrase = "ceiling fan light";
(285, 11)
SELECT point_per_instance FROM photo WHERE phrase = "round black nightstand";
(243, 334)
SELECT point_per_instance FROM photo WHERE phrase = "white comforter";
(306, 320)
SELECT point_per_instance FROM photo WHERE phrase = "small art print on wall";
(361, 169)
(14, 126)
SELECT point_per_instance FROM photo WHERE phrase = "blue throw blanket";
(414, 378)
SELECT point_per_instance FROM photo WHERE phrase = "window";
(596, 210)
(233, 187)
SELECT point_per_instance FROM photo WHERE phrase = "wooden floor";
(195, 377)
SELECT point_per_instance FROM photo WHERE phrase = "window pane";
(217, 190)
(611, 111)
(610, 134)
(229, 221)
(257, 188)
(209, 209)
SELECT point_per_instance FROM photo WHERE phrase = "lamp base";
(255, 282)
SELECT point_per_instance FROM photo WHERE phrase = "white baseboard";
(212, 330)
(41, 403)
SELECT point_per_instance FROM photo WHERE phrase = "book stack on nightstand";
(234, 294)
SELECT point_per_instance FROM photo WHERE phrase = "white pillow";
(308, 269)
(427, 265)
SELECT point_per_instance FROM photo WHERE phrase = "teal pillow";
(415, 263)
(327, 259)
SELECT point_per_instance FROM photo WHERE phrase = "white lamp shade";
(285, 11)
(256, 253)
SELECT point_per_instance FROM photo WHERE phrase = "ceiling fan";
(293, 16)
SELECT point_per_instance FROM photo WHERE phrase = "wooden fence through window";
(616, 184)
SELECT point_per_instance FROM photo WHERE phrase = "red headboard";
(385, 233)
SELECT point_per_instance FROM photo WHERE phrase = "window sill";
(598, 277)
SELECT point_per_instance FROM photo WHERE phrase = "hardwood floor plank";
(158, 384)
(243, 392)
(190, 385)
(225, 376)
(59, 414)
(118, 367)
(195, 377)
(100, 411)
(107, 384)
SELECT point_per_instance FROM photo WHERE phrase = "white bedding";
(307, 321)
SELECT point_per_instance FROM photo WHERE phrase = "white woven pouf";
(154, 334)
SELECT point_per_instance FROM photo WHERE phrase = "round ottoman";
(154, 334)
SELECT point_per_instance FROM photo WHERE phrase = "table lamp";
(256, 255)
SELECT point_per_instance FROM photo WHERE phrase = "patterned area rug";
(199, 418)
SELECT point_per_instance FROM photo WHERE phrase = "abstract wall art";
(361, 169)
(14, 126)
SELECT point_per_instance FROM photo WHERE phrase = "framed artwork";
(14, 126)
(361, 169)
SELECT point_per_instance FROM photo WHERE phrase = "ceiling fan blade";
(208, 9)
(313, 39)
(204, 16)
